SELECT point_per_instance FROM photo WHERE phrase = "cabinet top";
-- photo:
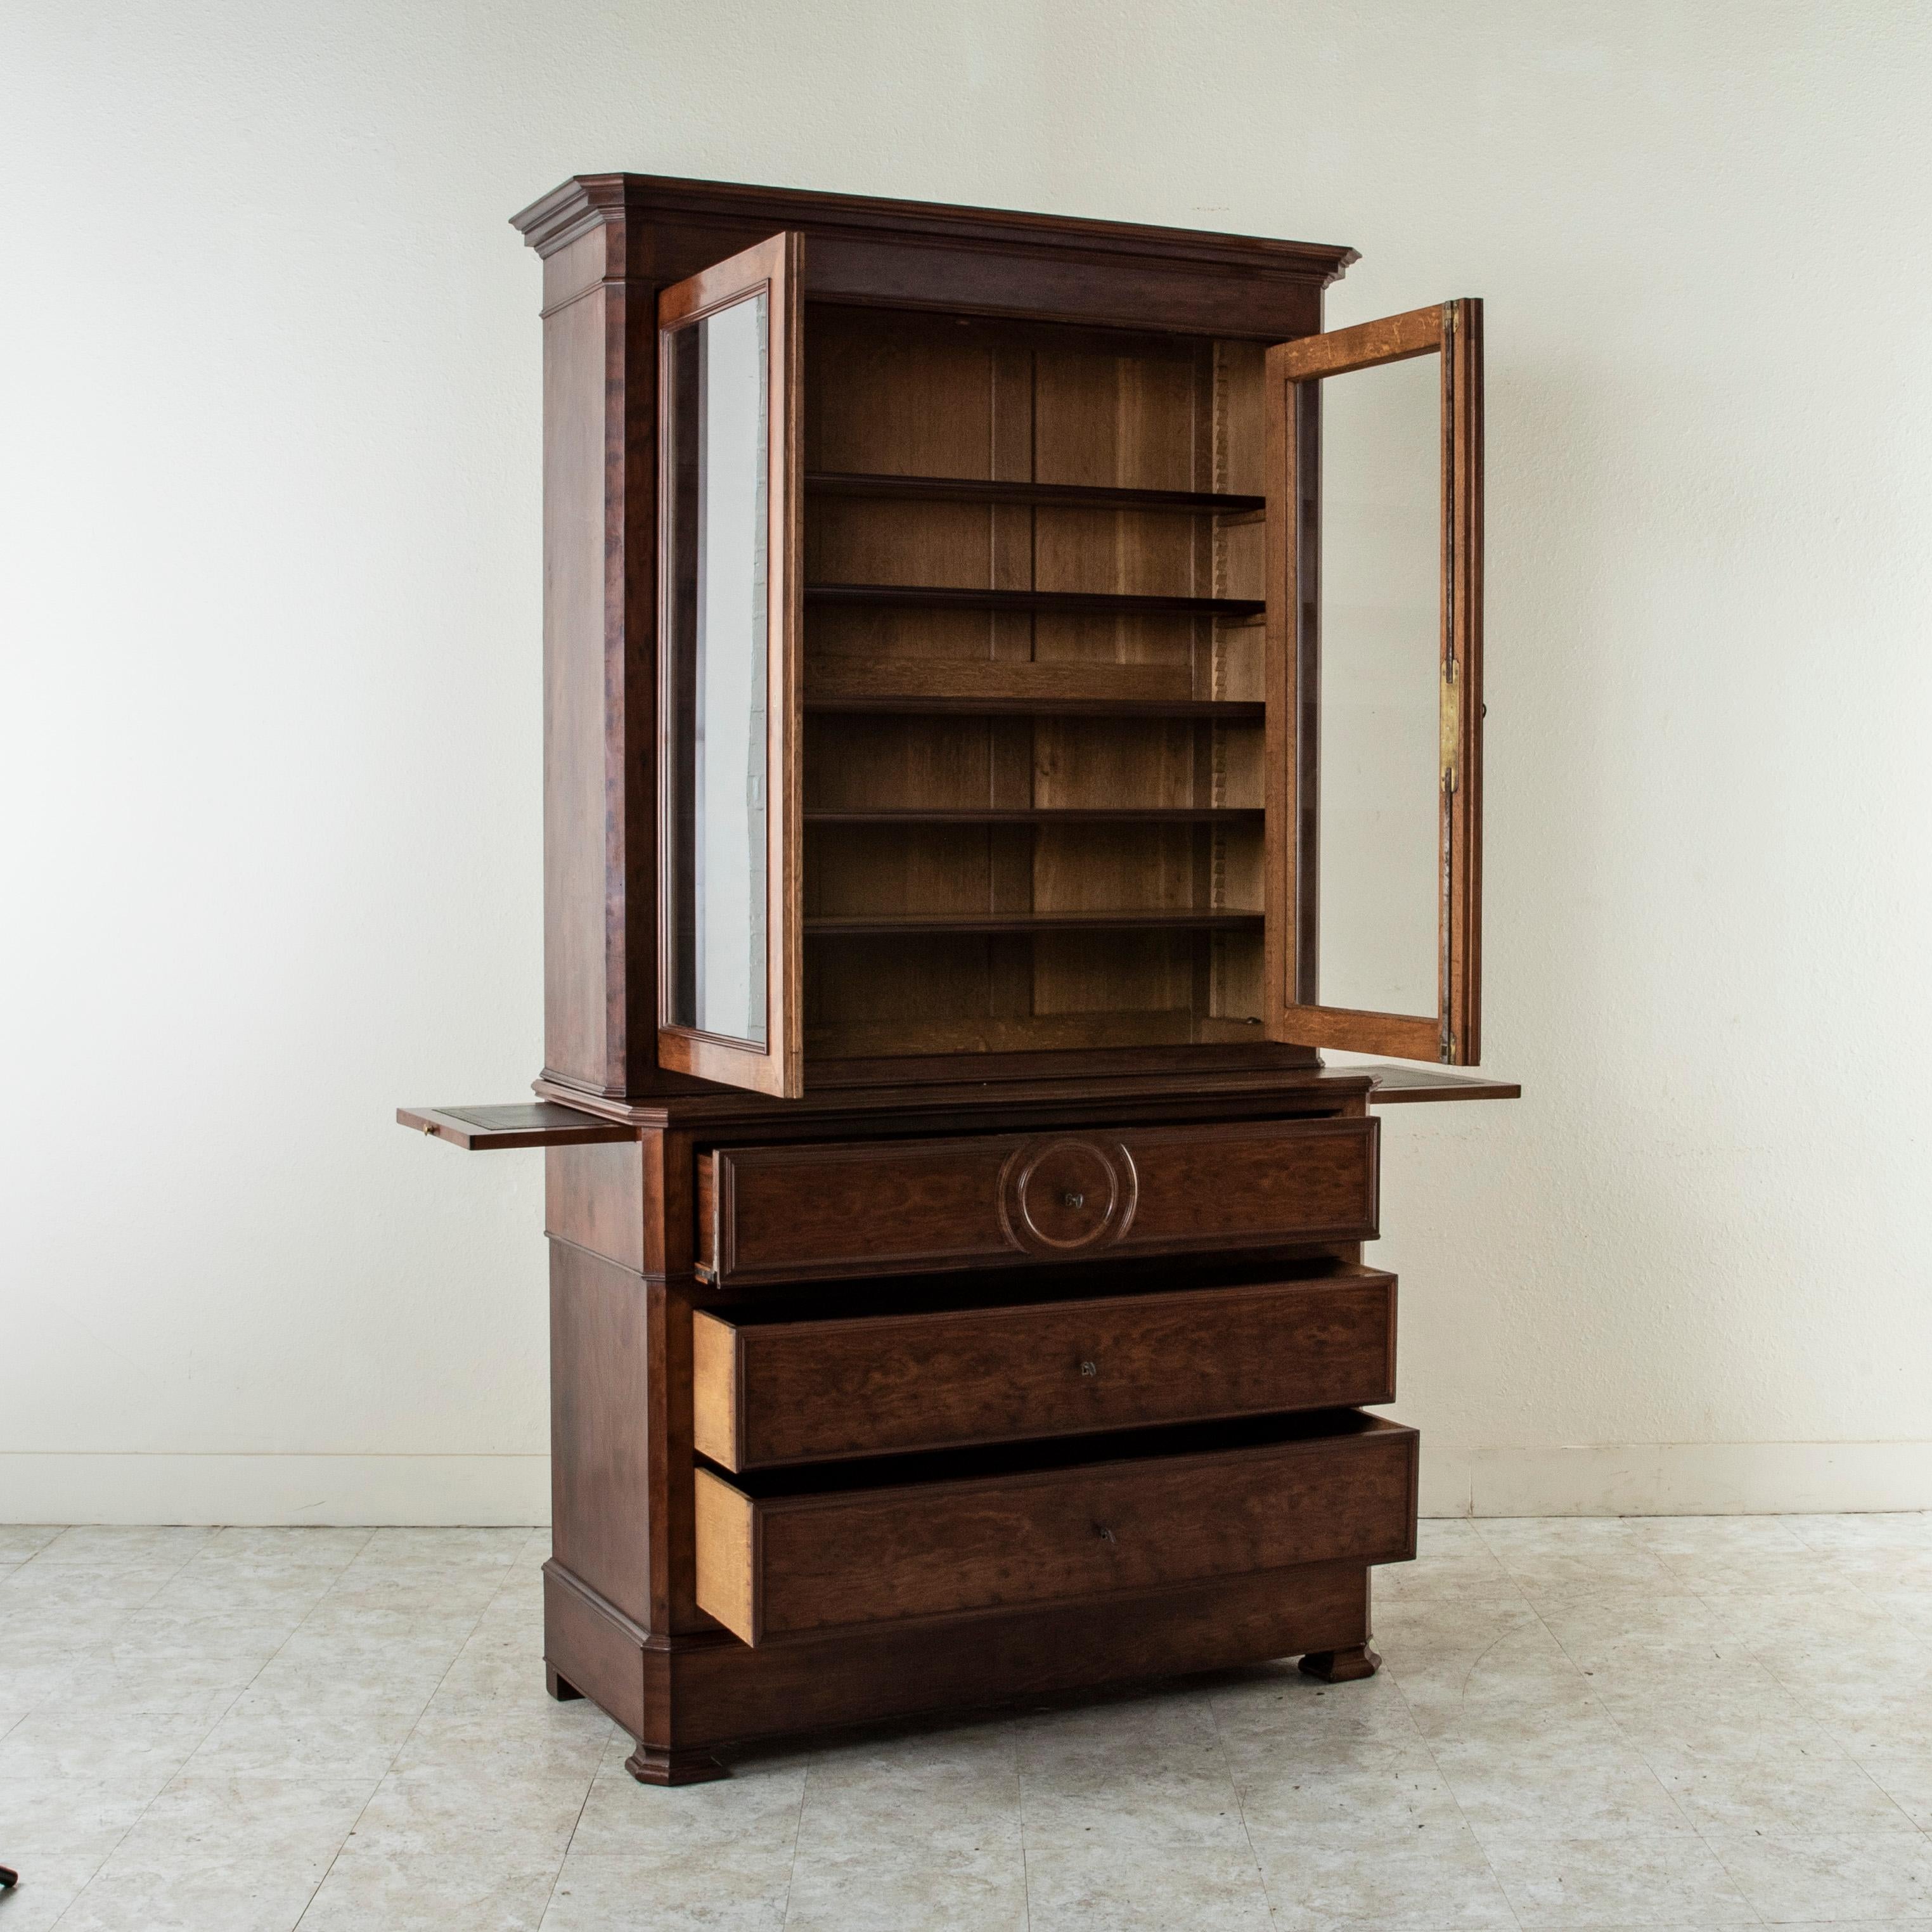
(587, 201)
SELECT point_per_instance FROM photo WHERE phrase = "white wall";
(270, 612)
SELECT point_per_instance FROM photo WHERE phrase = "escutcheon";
(1057, 1197)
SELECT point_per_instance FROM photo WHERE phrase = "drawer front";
(775, 1565)
(866, 1207)
(770, 1393)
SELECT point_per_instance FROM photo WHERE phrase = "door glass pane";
(714, 556)
(1380, 586)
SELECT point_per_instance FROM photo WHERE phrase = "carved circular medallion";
(1057, 1196)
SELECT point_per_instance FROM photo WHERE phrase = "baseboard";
(1675, 1478)
(1569, 1479)
(429, 1489)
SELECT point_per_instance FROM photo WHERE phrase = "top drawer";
(809, 1212)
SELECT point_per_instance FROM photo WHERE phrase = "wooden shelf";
(1041, 815)
(1046, 496)
(1062, 603)
(1205, 711)
(1027, 922)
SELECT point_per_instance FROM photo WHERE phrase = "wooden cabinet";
(1013, 695)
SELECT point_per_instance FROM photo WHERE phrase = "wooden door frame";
(1453, 331)
(774, 267)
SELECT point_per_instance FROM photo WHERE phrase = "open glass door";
(1374, 597)
(728, 566)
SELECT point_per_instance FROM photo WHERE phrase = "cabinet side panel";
(576, 1042)
(597, 1202)
(599, 577)
(600, 1463)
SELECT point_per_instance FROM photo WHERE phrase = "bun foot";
(1342, 1666)
(673, 1767)
(561, 1688)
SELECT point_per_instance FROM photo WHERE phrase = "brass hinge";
(1452, 725)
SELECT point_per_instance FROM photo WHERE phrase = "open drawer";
(836, 1548)
(818, 1211)
(769, 1392)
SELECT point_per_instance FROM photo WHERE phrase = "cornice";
(585, 201)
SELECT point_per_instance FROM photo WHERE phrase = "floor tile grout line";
(557, 1877)
(1549, 1612)
(475, 1625)
(1691, 1823)
(576, 1823)
(1670, 1797)
(300, 1624)
(1837, 1743)
(240, 1693)
(349, 1832)
(1509, 1903)
(315, 1890)
(1026, 1868)
(168, 1783)
(1240, 1808)
(1764, 1661)
(797, 1832)
(388, 1770)
(1706, 1838)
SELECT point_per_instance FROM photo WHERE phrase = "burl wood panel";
(770, 1393)
(857, 1208)
(821, 1560)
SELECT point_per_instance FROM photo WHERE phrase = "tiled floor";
(1693, 1723)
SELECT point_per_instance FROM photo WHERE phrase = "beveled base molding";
(1342, 1666)
(673, 1767)
(683, 1695)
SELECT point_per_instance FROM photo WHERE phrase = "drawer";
(809, 1212)
(766, 1393)
(774, 1561)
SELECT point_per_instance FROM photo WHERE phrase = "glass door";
(1375, 693)
(728, 566)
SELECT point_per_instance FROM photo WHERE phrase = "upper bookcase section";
(910, 254)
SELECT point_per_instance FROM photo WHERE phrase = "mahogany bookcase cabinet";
(952, 869)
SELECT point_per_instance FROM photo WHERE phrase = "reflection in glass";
(1380, 580)
(719, 394)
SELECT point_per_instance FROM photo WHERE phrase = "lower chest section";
(913, 1388)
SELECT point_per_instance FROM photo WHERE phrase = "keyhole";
(1106, 1535)
(1072, 1200)
(1089, 1370)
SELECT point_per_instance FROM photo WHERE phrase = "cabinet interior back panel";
(895, 394)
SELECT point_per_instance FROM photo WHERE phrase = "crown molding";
(587, 201)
